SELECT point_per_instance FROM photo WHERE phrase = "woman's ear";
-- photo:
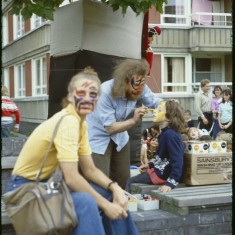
(70, 98)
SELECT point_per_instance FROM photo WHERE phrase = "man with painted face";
(108, 124)
(167, 167)
(91, 190)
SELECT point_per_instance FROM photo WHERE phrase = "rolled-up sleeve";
(149, 98)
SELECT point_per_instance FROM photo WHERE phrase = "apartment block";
(195, 43)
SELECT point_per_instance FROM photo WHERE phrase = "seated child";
(166, 169)
(188, 118)
(149, 144)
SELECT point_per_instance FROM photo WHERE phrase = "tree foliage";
(46, 8)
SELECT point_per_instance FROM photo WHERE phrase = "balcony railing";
(212, 76)
(218, 19)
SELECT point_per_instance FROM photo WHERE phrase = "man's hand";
(205, 121)
(139, 113)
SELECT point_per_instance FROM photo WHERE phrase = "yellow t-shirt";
(71, 141)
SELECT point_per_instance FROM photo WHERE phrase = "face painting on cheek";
(137, 83)
(86, 98)
(81, 103)
(160, 112)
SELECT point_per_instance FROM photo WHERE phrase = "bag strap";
(48, 148)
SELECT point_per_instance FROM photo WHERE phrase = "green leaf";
(46, 8)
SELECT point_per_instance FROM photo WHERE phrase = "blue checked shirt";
(108, 111)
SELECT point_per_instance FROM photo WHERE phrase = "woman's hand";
(115, 211)
(119, 196)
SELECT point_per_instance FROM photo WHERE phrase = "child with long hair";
(225, 112)
(216, 100)
(166, 169)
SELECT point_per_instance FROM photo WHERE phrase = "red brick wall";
(10, 28)
(154, 16)
(28, 78)
(27, 26)
(154, 82)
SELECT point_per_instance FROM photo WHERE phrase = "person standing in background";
(108, 124)
(148, 50)
(9, 109)
(225, 117)
(203, 106)
(215, 107)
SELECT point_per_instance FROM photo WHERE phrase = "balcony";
(218, 19)
(30, 44)
(188, 36)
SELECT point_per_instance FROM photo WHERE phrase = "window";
(210, 13)
(207, 68)
(37, 21)
(18, 26)
(176, 73)
(20, 80)
(5, 79)
(39, 76)
(176, 12)
(5, 39)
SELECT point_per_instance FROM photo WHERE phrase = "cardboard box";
(195, 147)
(217, 147)
(206, 169)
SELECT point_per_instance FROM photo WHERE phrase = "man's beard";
(131, 96)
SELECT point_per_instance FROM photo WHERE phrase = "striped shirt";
(202, 103)
(10, 109)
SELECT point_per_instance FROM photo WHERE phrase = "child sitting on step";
(166, 169)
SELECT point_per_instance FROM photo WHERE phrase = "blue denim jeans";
(6, 129)
(142, 178)
(91, 221)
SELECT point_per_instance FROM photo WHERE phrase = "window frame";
(18, 31)
(195, 84)
(6, 79)
(34, 19)
(187, 71)
(186, 15)
(5, 33)
(20, 80)
(43, 71)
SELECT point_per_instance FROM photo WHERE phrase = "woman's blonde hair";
(87, 73)
(5, 91)
(123, 74)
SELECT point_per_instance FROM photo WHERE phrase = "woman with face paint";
(108, 124)
(166, 169)
(100, 204)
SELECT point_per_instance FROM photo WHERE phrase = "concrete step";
(12, 146)
(159, 222)
(184, 199)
